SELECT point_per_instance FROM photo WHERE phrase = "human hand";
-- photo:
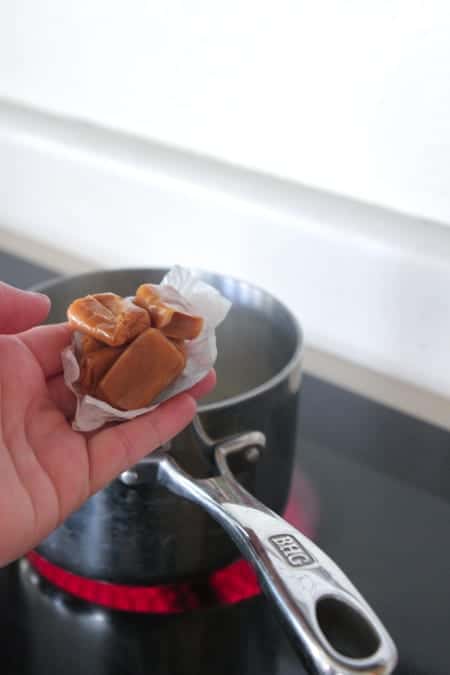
(47, 470)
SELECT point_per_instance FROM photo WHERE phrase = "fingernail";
(41, 296)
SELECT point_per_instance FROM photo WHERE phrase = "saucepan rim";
(231, 400)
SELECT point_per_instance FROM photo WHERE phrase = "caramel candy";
(93, 366)
(146, 367)
(90, 344)
(147, 296)
(108, 318)
(172, 322)
(180, 345)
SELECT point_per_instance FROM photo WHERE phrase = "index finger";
(20, 310)
(46, 343)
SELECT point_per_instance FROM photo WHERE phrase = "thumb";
(20, 310)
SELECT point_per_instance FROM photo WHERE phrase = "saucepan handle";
(335, 630)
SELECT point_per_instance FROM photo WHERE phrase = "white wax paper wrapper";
(183, 291)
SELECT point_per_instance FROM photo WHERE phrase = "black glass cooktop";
(382, 481)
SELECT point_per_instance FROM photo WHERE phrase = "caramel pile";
(130, 350)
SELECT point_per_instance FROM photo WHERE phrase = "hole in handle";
(347, 631)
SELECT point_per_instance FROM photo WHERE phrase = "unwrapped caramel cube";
(89, 344)
(108, 318)
(129, 351)
(172, 322)
(181, 346)
(93, 366)
(145, 368)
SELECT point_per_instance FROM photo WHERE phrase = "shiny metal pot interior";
(138, 533)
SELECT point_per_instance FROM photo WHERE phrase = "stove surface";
(382, 480)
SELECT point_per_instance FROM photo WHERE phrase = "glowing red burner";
(227, 586)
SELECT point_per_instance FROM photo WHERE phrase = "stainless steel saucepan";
(240, 450)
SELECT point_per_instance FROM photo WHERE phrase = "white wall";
(351, 96)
